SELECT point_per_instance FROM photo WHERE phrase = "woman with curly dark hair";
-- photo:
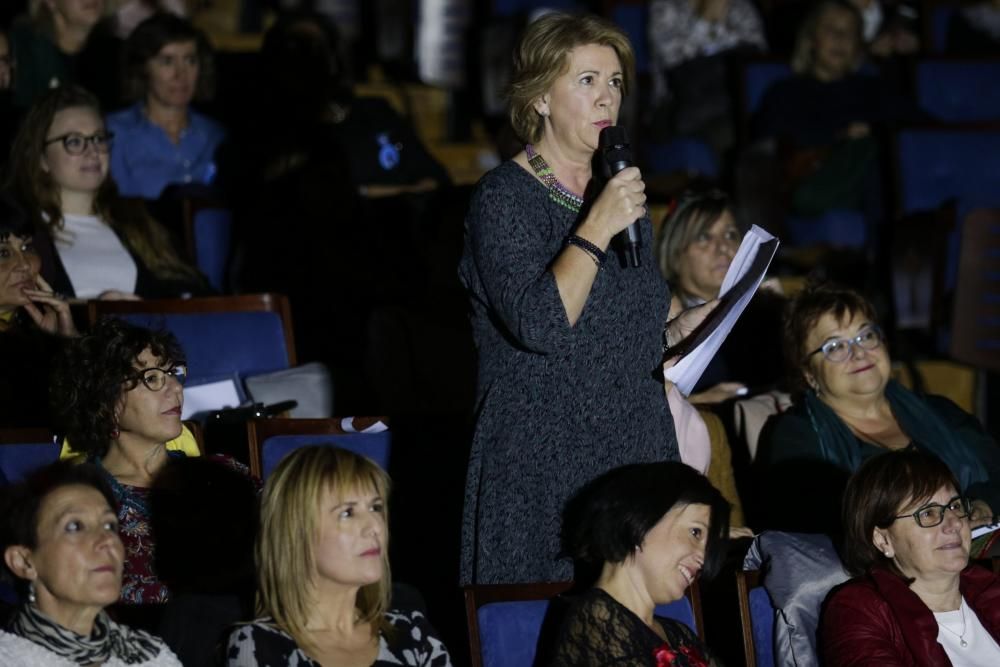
(93, 244)
(116, 396)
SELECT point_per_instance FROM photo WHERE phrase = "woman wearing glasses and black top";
(95, 244)
(851, 409)
(914, 599)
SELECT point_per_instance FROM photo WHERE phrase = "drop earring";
(32, 598)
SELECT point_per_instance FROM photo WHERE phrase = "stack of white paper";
(743, 278)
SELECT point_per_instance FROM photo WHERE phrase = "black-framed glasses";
(155, 379)
(76, 144)
(932, 514)
(839, 350)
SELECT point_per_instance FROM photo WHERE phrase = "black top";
(599, 631)
(262, 644)
(26, 354)
(808, 112)
(558, 405)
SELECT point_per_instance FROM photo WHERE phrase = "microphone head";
(613, 136)
(614, 148)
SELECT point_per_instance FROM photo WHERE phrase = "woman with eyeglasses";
(914, 599)
(95, 244)
(117, 394)
(695, 246)
(851, 409)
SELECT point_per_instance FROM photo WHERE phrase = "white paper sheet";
(685, 373)
(209, 396)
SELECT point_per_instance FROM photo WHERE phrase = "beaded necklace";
(558, 192)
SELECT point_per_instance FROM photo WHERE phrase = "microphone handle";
(632, 231)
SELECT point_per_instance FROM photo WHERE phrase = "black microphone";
(617, 153)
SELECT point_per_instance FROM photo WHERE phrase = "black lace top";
(597, 630)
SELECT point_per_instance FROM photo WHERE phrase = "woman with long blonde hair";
(323, 571)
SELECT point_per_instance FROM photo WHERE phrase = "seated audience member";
(974, 30)
(130, 13)
(323, 571)
(117, 396)
(60, 542)
(160, 140)
(888, 28)
(34, 321)
(823, 117)
(310, 108)
(849, 410)
(62, 42)
(9, 114)
(914, 599)
(689, 40)
(639, 535)
(696, 245)
(93, 244)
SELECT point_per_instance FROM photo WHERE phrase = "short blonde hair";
(542, 56)
(803, 56)
(692, 214)
(289, 530)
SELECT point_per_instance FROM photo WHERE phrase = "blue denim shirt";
(144, 160)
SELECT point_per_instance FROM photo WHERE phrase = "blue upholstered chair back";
(509, 631)
(940, 17)
(376, 446)
(222, 343)
(958, 91)
(762, 626)
(634, 20)
(19, 459)
(213, 231)
(935, 165)
(757, 78)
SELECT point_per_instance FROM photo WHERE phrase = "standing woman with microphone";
(570, 337)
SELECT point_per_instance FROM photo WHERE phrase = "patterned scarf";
(917, 419)
(107, 639)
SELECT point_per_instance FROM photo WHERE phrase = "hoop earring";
(115, 432)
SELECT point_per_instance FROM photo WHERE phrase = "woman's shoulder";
(414, 641)
(261, 642)
(506, 176)
(789, 434)
(125, 119)
(16, 650)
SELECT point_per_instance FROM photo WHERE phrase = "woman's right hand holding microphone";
(622, 202)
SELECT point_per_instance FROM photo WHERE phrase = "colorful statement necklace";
(558, 192)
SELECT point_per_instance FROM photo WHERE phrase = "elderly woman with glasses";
(914, 599)
(93, 244)
(851, 409)
(117, 397)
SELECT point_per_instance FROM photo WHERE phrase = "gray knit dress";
(557, 405)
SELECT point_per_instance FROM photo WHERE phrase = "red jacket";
(878, 620)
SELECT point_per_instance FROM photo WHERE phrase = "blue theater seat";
(505, 620)
(270, 440)
(23, 450)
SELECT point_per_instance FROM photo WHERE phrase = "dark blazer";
(878, 620)
(147, 284)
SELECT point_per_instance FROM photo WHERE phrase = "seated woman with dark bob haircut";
(59, 538)
(646, 532)
(850, 409)
(914, 599)
(323, 572)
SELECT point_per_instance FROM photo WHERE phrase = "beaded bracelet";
(596, 254)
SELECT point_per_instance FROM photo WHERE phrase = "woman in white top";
(96, 245)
